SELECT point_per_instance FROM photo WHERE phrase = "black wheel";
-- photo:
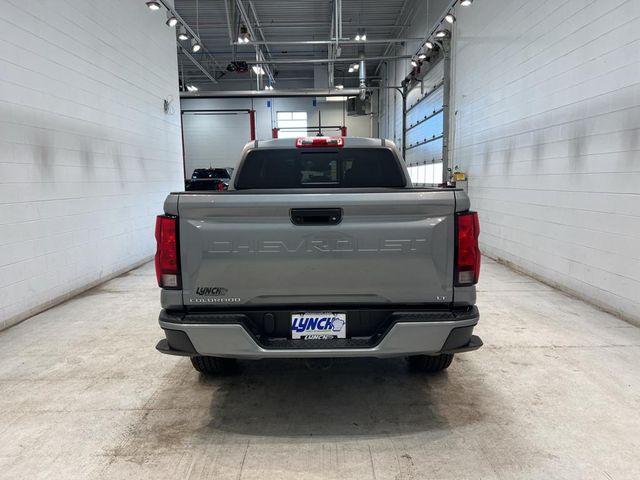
(430, 363)
(214, 365)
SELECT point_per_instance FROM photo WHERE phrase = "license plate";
(318, 325)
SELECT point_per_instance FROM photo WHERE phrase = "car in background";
(208, 179)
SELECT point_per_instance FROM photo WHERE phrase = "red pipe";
(252, 123)
(343, 131)
(274, 133)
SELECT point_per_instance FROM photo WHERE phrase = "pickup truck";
(321, 247)
(208, 179)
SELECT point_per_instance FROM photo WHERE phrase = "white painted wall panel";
(210, 140)
(547, 96)
(87, 153)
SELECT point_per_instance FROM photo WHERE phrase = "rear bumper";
(408, 333)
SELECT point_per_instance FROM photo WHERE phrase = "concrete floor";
(555, 393)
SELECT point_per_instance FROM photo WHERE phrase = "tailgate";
(389, 248)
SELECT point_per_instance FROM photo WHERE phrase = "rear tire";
(214, 365)
(430, 363)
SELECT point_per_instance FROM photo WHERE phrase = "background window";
(294, 122)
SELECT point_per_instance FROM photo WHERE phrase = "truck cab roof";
(347, 142)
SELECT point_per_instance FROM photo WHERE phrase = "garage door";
(424, 128)
(214, 139)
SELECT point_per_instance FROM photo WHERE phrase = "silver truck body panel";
(241, 251)
(404, 338)
(390, 247)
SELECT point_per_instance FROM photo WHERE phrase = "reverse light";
(166, 259)
(307, 142)
(467, 269)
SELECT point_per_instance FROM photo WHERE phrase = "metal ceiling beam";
(197, 64)
(193, 35)
(260, 58)
(306, 25)
(331, 49)
(396, 24)
(229, 22)
(326, 60)
(259, 27)
(281, 79)
(328, 42)
(308, 92)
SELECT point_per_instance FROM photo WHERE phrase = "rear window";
(320, 168)
(221, 173)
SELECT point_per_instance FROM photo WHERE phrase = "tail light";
(220, 186)
(167, 259)
(467, 252)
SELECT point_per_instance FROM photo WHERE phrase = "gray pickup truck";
(321, 247)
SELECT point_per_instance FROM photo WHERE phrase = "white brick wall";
(548, 128)
(86, 152)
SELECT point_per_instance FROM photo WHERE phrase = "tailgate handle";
(316, 216)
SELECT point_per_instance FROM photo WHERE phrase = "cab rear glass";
(320, 168)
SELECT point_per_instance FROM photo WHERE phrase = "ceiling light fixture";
(350, 68)
(449, 17)
(257, 69)
(336, 98)
(442, 33)
(182, 34)
(172, 21)
(153, 5)
(414, 62)
(339, 87)
(363, 37)
(429, 45)
(243, 36)
(192, 88)
(422, 56)
(195, 46)
(466, 3)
